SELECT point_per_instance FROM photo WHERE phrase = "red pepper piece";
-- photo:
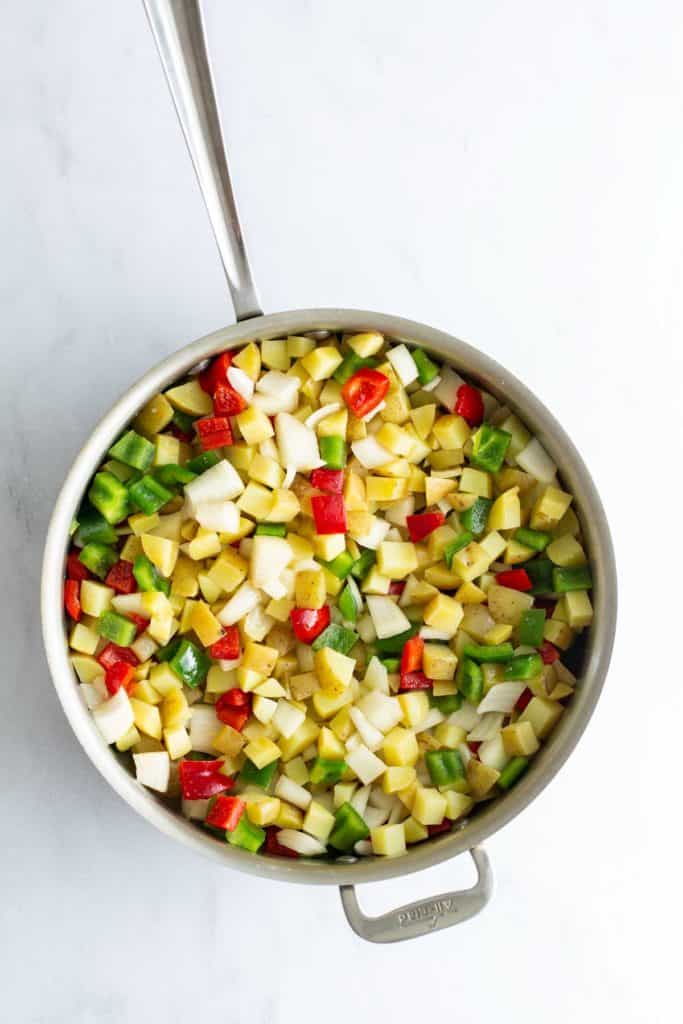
(411, 658)
(75, 570)
(396, 587)
(414, 681)
(214, 432)
(329, 513)
(226, 813)
(234, 708)
(72, 599)
(514, 579)
(272, 845)
(474, 746)
(112, 653)
(202, 779)
(524, 698)
(330, 480)
(141, 623)
(364, 391)
(443, 826)
(421, 525)
(216, 373)
(236, 718)
(227, 401)
(469, 404)
(549, 653)
(121, 674)
(228, 647)
(308, 623)
(234, 698)
(120, 578)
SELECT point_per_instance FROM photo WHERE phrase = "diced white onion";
(92, 695)
(144, 647)
(274, 382)
(432, 718)
(365, 629)
(240, 604)
(486, 728)
(114, 717)
(363, 848)
(223, 516)
(446, 390)
(375, 816)
(320, 414)
(429, 633)
(387, 617)
(353, 741)
(535, 460)
(378, 798)
(287, 718)
(274, 589)
(492, 753)
(381, 711)
(300, 842)
(228, 664)
(359, 800)
(297, 444)
(371, 737)
(257, 624)
(290, 473)
(501, 697)
(376, 676)
(292, 793)
(221, 482)
(465, 753)
(370, 453)
(404, 364)
(433, 384)
(241, 382)
(373, 412)
(204, 727)
(399, 510)
(365, 764)
(466, 717)
(269, 556)
(153, 769)
(375, 535)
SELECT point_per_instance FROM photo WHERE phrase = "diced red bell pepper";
(523, 699)
(421, 525)
(549, 653)
(121, 674)
(330, 480)
(75, 570)
(308, 623)
(226, 813)
(112, 653)
(443, 826)
(202, 779)
(234, 708)
(364, 391)
(329, 513)
(414, 681)
(228, 647)
(141, 623)
(273, 847)
(469, 404)
(514, 579)
(214, 432)
(234, 698)
(396, 587)
(72, 599)
(216, 373)
(227, 401)
(411, 658)
(474, 746)
(120, 578)
(236, 718)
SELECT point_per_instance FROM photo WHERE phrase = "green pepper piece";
(271, 530)
(92, 526)
(492, 653)
(350, 364)
(540, 572)
(247, 836)
(98, 558)
(189, 663)
(341, 566)
(122, 472)
(337, 638)
(456, 545)
(349, 601)
(148, 577)
(531, 627)
(512, 772)
(391, 664)
(476, 516)
(109, 497)
(148, 495)
(426, 369)
(171, 474)
(253, 776)
(575, 578)
(362, 566)
(470, 680)
(523, 667)
(116, 628)
(183, 421)
(447, 704)
(489, 447)
(348, 829)
(327, 770)
(166, 653)
(534, 539)
(205, 460)
(395, 644)
(444, 766)
(333, 451)
(133, 450)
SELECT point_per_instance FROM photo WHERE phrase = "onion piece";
(114, 717)
(404, 364)
(241, 382)
(387, 617)
(492, 753)
(376, 816)
(447, 389)
(204, 727)
(320, 414)
(297, 444)
(300, 842)
(359, 800)
(466, 717)
(489, 725)
(535, 460)
(432, 718)
(429, 633)
(501, 697)
(290, 791)
(153, 769)
(371, 454)
(290, 473)
(373, 412)
(221, 482)
(223, 516)
(365, 764)
(371, 737)
(363, 848)
(433, 384)
(239, 605)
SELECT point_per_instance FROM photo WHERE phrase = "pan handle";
(178, 31)
(424, 916)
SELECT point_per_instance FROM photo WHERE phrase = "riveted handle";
(179, 34)
(424, 916)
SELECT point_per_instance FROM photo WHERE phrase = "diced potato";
(558, 633)
(379, 488)
(305, 735)
(388, 840)
(507, 605)
(154, 416)
(330, 746)
(248, 359)
(566, 551)
(166, 450)
(400, 748)
(543, 715)
(397, 778)
(191, 399)
(275, 354)
(415, 706)
(439, 661)
(86, 668)
(265, 471)
(83, 639)
(318, 821)
(147, 718)
(498, 634)
(471, 561)
(449, 735)
(470, 593)
(437, 488)
(254, 425)
(457, 804)
(579, 609)
(422, 419)
(366, 345)
(414, 831)
(259, 658)
(334, 670)
(452, 431)
(205, 544)
(429, 807)
(444, 613)
(328, 545)
(262, 751)
(519, 739)
(145, 691)
(506, 511)
(303, 685)
(140, 523)
(95, 599)
(327, 704)
(322, 362)
(177, 742)
(310, 589)
(481, 777)
(228, 571)
(396, 559)
(550, 508)
(476, 481)
(164, 680)
(284, 506)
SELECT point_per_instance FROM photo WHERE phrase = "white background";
(510, 172)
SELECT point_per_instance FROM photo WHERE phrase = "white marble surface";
(508, 171)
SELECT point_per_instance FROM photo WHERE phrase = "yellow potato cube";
(476, 481)
(265, 471)
(558, 633)
(327, 705)
(388, 840)
(550, 508)
(414, 705)
(275, 354)
(166, 450)
(145, 691)
(205, 544)
(516, 553)
(256, 501)
(457, 804)
(397, 778)
(254, 425)
(318, 821)
(154, 416)
(395, 439)
(263, 811)
(130, 739)
(95, 598)
(205, 624)
(259, 658)
(444, 613)
(438, 541)
(309, 589)
(341, 725)
(579, 609)
(566, 551)
(140, 523)
(471, 561)
(177, 742)
(328, 545)
(228, 571)
(414, 831)
(437, 488)
(396, 559)
(439, 661)
(84, 639)
(164, 680)
(481, 778)
(147, 718)
(321, 363)
(400, 747)
(262, 751)
(284, 506)
(304, 737)
(289, 816)
(191, 399)
(519, 739)
(248, 359)
(498, 634)
(185, 582)
(86, 668)
(450, 736)
(506, 512)
(366, 344)
(429, 807)
(543, 715)
(334, 670)
(379, 488)
(303, 685)
(175, 711)
(330, 746)
(470, 593)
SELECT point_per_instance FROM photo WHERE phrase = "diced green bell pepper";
(349, 601)
(271, 530)
(362, 566)
(110, 497)
(395, 644)
(540, 572)
(492, 653)
(426, 369)
(98, 558)
(183, 421)
(523, 667)
(148, 577)
(470, 680)
(247, 836)
(476, 516)
(166, 653)
(351, 363)
(116, 628)
(337, 638)
(171, 475)
(340, 566)
(456, 545)
(447, 704)
(133, 450)
(575, 578)
(531, 627)
(391, 664)
(489, 447)
(512, 772)
(253, 776)
(333, 451)
(189, 663)
(534, 539)
(92, 526)
(444, 766)
(348, 829)
(148, 495)
(325, 769)
(205, 460)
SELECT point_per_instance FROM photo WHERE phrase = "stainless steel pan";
(178, 30)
